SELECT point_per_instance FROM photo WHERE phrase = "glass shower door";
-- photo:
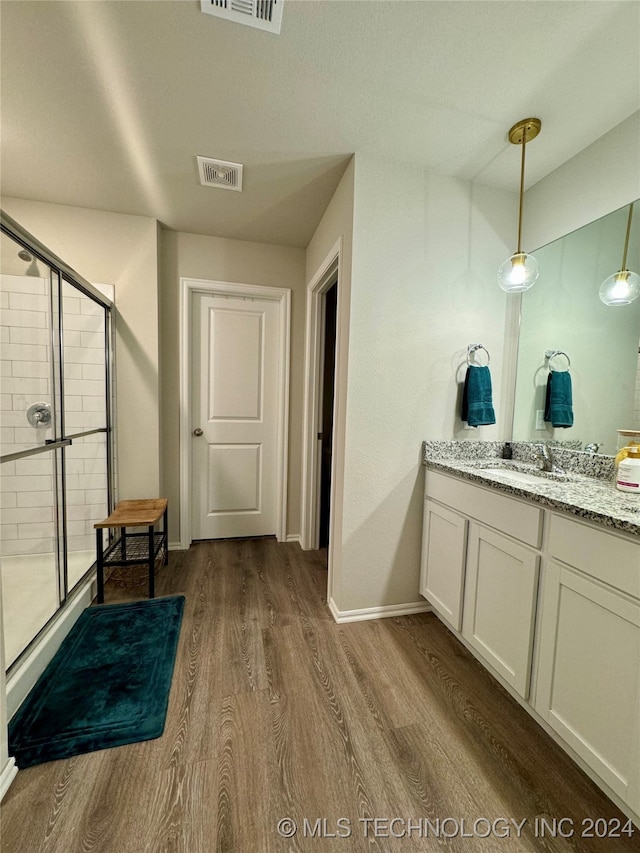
(56, 442)
(29, 451)
(85, 404)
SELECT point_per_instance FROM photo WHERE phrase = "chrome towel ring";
(553, 353)
(471, 348)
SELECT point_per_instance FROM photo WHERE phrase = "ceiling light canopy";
(622, 287)
(520, 271)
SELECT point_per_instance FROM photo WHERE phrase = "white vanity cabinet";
(551, 604)
(480, 571)
(588, 687)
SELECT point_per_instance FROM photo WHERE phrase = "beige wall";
(111, 248)
(218, 259)
(602, 178)
(423, 251)
(337, 223)
(134, 254)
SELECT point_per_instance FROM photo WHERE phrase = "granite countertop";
(586, 490)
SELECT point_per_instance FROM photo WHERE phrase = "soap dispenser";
(626, 438)
(628, 476)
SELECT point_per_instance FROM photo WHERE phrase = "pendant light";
(520, 271)
(622, 287)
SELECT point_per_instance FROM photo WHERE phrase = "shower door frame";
(61, 272)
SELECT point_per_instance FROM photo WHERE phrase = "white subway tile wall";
(26, 486)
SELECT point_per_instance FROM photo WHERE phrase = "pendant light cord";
(524, 143)
(626, 239)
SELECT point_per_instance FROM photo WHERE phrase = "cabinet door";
(442, 566)
(499, 604)
(589, 675)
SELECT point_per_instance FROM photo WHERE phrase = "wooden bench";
(131, 549)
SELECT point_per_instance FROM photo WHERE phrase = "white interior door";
(234, 392)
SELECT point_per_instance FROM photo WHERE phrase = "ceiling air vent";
(263, 14)
(219, 173)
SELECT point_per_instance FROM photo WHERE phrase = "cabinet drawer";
(601, 554)
(514, 517)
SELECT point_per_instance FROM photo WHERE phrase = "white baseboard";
(180, 546)
(22, 679)
(380, 612)
(9, 772)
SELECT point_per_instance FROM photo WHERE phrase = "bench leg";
(151, 563)
(166, 536)
(99, 566)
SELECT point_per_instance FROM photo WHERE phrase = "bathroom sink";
(522, 472)
(516, 476)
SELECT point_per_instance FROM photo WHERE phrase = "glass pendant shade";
(621, 288)
(518, 273)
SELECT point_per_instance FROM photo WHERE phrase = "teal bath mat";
(107, 685)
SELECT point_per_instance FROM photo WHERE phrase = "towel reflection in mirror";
(558, 405)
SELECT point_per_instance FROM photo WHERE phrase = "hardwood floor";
(278, 712)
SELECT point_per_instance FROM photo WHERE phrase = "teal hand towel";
(558, 408)
(477, 405)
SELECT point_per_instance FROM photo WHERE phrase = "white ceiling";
(106, 104)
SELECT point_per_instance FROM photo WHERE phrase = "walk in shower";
(56, 440)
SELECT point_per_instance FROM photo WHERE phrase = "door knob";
(197, 431)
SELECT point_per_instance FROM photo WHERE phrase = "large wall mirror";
(564, 312)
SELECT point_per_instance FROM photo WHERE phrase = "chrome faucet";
(594, 447)
(545, 460)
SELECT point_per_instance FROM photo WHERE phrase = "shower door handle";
(50, 444)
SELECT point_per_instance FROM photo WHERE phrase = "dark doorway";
(328, 386)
